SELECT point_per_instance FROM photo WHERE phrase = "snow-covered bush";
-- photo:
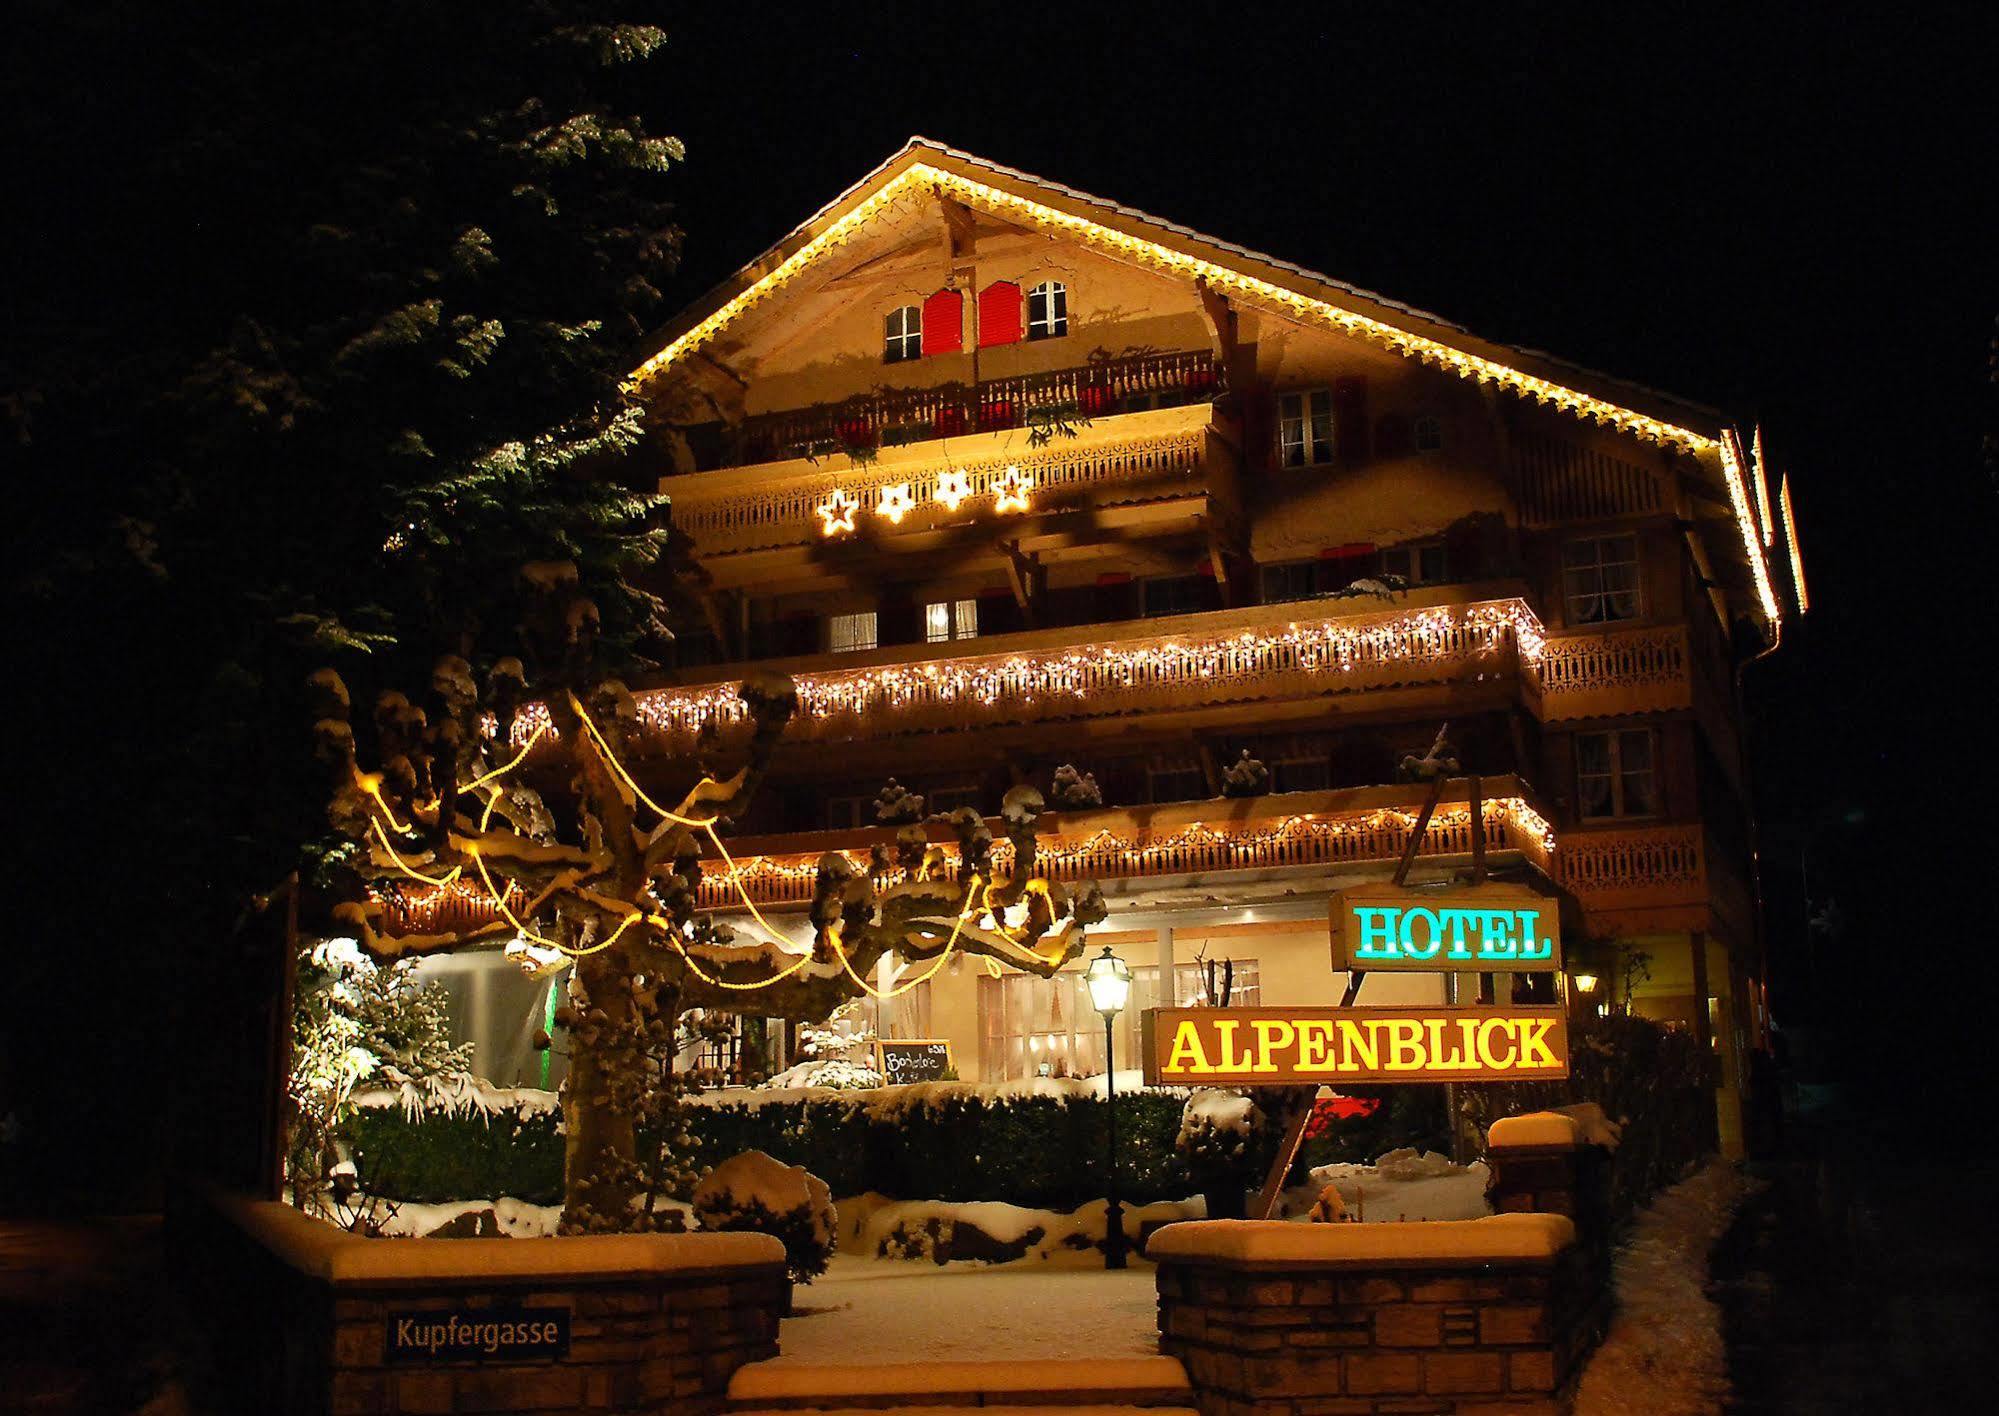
(1217, 1130)
(830, 1073)
(355, 1020)
(1245, 777)
(1074, 791)
(896, 805)
(754, 1192)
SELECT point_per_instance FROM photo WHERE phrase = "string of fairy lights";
(922, 180)
(510, 903)
(1093, 673)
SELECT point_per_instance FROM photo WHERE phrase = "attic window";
(1048, 310)
(902, 335)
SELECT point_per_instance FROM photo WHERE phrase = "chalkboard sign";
(478, 1334)
(913, 1060)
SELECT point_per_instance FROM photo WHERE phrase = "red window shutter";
(999, 314)
(943, 323)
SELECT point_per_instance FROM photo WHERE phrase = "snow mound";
(728, 1195)
(1496, 1237)
(826, 1074)
(1405, 1164)
(1583, 1124)
(1214, 1111)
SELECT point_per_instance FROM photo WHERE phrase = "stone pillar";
(1541, 1163)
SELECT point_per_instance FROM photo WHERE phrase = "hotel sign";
(1281, 1047)
(1489, 928)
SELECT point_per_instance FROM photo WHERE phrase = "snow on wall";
(1501, 1236)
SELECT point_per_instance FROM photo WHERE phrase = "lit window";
(1615, 775)
(1305, 427)
(945, 620)
(1026, 1023)
(1429, 433)
(1600, 579)
(902, 335)
(847, 633)
(1415, 565)
(1048, 310)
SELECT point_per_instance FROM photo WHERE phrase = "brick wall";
(1380, 1336)
(299, 1320)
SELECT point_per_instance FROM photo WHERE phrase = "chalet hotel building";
(1010, 478)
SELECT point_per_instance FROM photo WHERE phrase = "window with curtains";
(945, 620)
(847, 633)
(1048, 310)
(1027, 1023)
(1600, 579)
(1305, 427)
(902, 335)
(1616, 774)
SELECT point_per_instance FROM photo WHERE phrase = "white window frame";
(1586, 595)
(902, 334)
(1305, 428)
(945, 620)
(1048, 310)
(1618, 775)
(852, 633)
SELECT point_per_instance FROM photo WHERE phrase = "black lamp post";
(1109, 982)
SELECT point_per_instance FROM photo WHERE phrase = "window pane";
(937, 622)
(1593, 752)
(1430, 564)
(968, 619)
(845, 633)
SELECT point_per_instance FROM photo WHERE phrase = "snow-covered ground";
(1664, 1354)
(876, 1310)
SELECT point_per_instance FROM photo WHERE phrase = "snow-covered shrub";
(1074, 791)
(1245, 777)
(355, 1020)
(831, 1073)
(896, 805)
(1217, 1133)
(754, 1192)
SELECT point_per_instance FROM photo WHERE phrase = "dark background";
(1778, 210)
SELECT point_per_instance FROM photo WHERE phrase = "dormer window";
(1048, 310)
(902, 335)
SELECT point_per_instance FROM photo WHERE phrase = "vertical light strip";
(1791, 539)
(1738, 494)
(1762, 471)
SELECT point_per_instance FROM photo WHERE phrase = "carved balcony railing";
(1642, 670)
(891, 416)
(1267, 653)
(1140, 457)
(1300, 829)
(1660, 870)
(1323, 830)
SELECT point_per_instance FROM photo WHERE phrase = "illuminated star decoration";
(953, 488)
(896, 503)
(836, 513)
(1012, 489)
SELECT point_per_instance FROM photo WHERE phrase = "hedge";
(1040, 1152)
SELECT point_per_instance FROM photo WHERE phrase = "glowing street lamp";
(1109, 981)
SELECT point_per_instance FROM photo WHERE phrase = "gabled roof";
(1258, 280)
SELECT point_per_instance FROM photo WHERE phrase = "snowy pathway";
(866, 1311)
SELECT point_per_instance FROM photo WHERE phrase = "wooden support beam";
(960, 226)
(1026, 577)
(1221, 320)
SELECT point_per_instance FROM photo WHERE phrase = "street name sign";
(1281, 1047)
(1496, 927)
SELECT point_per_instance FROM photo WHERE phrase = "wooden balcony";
(1187, 664)
(1117, 462)
(1355, 829)
(1330, 830)
(1599, 675)
(889, 417)
(1630, 880)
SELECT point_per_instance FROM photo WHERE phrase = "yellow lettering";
(1187, 1054)
(1486, 1056)
(1362, 1048)
(1272, 1035)
(1315, 1046)
(1232, 1061)
(1405, 1045)
(1534, 1049)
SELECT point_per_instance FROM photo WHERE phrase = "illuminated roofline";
(1479, 369)
(1791, 540)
